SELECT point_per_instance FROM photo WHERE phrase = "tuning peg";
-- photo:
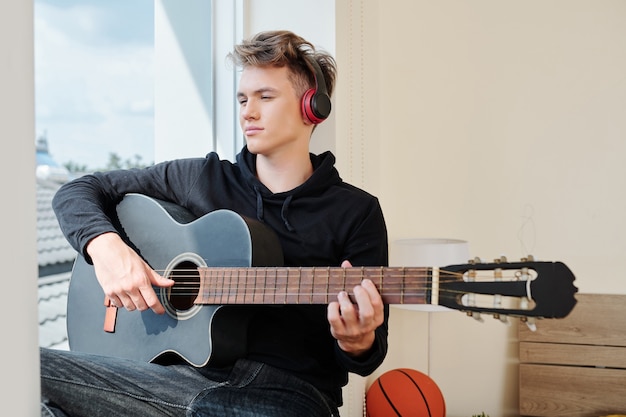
(504, 319)
(501, 259)
(475, 315)
(528, 258)
(530, 322)
(476, 260)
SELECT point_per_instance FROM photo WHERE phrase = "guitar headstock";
(522, 289)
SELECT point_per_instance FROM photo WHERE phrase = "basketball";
(405, 393)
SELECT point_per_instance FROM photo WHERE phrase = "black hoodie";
(319, 223)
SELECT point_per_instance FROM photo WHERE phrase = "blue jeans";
(76, 384)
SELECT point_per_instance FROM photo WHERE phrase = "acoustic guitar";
(224, 264)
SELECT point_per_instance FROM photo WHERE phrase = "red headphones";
(315, 101)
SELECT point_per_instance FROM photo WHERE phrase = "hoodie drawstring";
(283, 213)
(259, 204)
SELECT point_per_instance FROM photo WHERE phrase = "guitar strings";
(279, 283)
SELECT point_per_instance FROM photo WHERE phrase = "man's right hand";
(124, 277)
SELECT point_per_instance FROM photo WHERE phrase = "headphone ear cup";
(315, 106)
(307, 111)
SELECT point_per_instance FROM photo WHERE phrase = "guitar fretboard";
(310, 285)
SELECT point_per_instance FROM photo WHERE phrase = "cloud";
(97, 21)
(94, 79)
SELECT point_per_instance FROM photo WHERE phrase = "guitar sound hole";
(185, 291)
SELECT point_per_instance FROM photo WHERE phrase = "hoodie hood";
(324, 176)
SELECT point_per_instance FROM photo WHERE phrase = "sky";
(94, 90)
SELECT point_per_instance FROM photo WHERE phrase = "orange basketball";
(404, 392)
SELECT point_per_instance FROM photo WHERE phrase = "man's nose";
(250, 110)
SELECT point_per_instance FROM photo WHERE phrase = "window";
(94, 81)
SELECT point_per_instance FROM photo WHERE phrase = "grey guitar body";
(175, 244)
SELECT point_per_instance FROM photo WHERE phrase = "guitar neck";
(311, 285)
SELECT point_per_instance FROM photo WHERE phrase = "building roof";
(55, 258)
(54, 254)
(52, 307)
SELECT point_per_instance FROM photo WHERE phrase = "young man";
(297, 356)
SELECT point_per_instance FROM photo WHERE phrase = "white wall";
(18, 250)
(508, 129)
(501, 123)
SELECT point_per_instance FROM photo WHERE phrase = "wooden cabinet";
(576, 366)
